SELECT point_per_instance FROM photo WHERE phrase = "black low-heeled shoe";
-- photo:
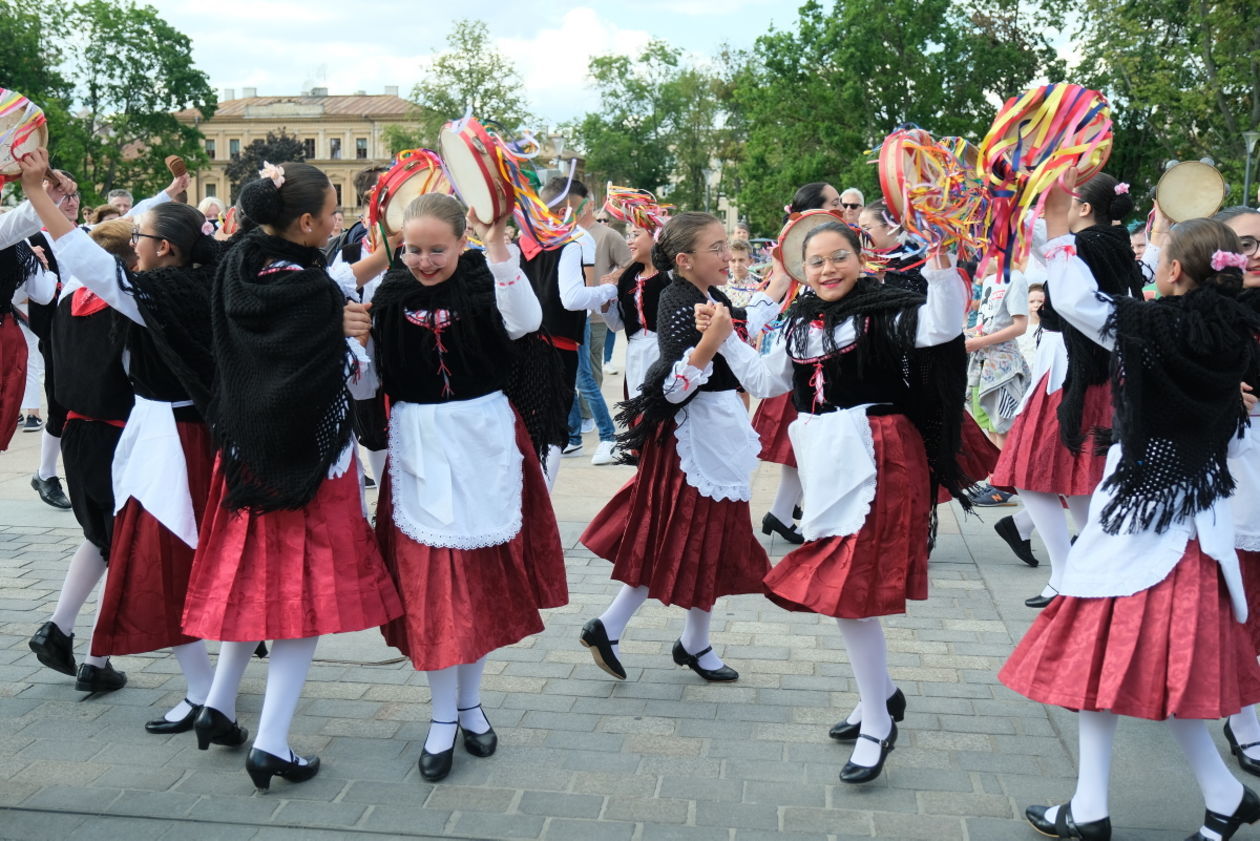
(479, 744)
(105, 678)
(262, 766)
(213, 727)
(162, 727)
(1251, 766)
(771, 523)
(1248, 811)
(595, 637)
(843, 731)
(723, 674)
(1008, 531)
(1065, 826)
(1038, 602)
(855, 774)
(435, 766)
(54, 648)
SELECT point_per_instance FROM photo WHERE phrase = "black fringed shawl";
(1175, 376)
(279, 408)
(17, 263)
(1109, 255)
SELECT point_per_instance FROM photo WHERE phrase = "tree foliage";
(275, 148)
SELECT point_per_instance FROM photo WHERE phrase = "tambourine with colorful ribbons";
(1035, 138)
(414, 173)
(636, 207)
(23, 129)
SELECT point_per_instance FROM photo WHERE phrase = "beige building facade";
(342, 135)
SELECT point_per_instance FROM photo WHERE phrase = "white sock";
(1079, 506)
(1093, 779)
(376, 460)
(788, 495)
(1221, 790)
(553, 466)
(1047, 515)
(1023, 523)
(890, 689)
(49, 451)
(86, 568)
(868, 655)
(194, 662)
(233, 658)
(695, 638)
(444, 708)
(287, 665)
(1246, 730)
(617, 615)
(468, 700)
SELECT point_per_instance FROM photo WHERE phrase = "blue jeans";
(589, 390)
(609, 342)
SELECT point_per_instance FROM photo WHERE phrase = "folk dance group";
(210, 391)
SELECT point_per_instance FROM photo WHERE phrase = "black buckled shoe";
(1251, 766)
(1065, 826)
(479, 744)
(54, 648)
(843, 731)
(724, 674)
(855, 774)
(1038, 602)
(163, 727)
(1248, 811)
(213, 727)
(772, 524)
(103, 679)
(1007, 530)
(50, 491)
(595, 637)
(435, 766)
(262, 766)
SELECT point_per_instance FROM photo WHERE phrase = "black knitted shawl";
(1107, 252)
(279, 407)
(17, 263)
(1175, 377)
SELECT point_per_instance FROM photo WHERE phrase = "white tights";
(788, 495)
(868, 655)
(287, 666)
(695, 634)
(456, 702)
(1046, 512)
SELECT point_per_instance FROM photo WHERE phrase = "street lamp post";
(1250, 138)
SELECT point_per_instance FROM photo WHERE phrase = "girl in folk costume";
(772, 418)
(1049, 454)
(875, 374)
(285, 551)
(465, 520)
(161, 467)
(1147, 623)
(1242, 731)
(679, 531)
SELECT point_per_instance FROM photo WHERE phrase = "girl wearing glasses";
(680, 531)
(464, 518)
(874, 373)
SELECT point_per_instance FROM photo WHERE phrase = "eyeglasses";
(837, 259)
(413, 257)
(136, 235)
(69, 198)
(850, 205)
(1249, 245)
(716, 250)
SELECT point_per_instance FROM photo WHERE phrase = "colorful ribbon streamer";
(636, 207)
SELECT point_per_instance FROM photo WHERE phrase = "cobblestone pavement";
(582, 757)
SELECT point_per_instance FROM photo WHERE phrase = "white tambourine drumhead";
(471, 170)
(424, 179)
(1190, 190)
(10, 124)
(792, 239)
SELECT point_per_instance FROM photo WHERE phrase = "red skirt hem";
(1035, 458)
(660, 532)
(771, 421)
(1250, 563)
(1174, 649)
(13, 361)
(876, 570)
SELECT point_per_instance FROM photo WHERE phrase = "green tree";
(274, 148)
(131, 70)
(1184, 78)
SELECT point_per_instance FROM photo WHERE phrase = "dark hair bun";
(1228, 280)
(660, 259)
(1121, 206)
(260, 199)
(205, 251)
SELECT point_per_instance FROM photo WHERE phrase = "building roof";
(315, 107)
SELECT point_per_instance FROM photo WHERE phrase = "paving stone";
(490, 825)
(406, 820)
(560, 804)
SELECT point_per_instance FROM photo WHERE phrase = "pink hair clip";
(207, 229)
(1225, 259)
(273, 172)
(1122, 188)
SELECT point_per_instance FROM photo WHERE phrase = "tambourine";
(418, 171)
(474, 164)
(905, 163)
(23, 129)
(1190, 190)
(932, 193)
(791, 248)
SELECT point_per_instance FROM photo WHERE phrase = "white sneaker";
(611, 369)
(604, 453)
(572, 450)
(588, 425)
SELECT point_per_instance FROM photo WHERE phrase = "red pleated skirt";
(143, 605)
(461, 604)
(1035, 459)
(872, 572)
(288, 574)
(662, 533)
(1250, 563)
(977, 457)
(13, 353)
(1173, 649)
(771, 422)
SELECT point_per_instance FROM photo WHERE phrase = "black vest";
(543, 272)
(90, 376)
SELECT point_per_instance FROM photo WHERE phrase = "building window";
(212, 190)
(234, 149)
(334, 149)
(360, 148)
(308, 148)
(210, 149)
(337, 187)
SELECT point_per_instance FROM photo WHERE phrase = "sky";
(284, 46)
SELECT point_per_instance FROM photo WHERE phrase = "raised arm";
(941, 316)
